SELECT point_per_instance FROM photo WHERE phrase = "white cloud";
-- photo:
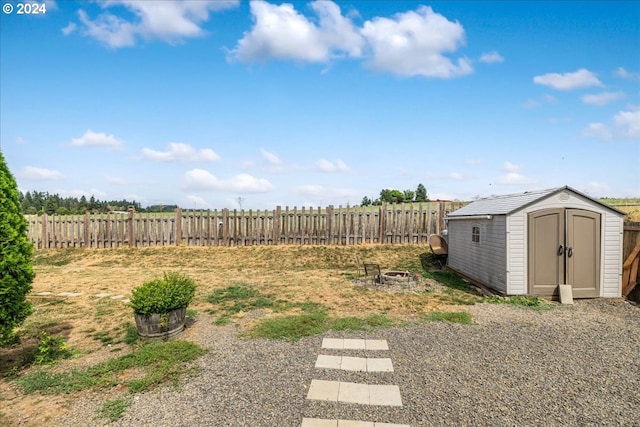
(280, 32)
(602, 98)
(20, 140)
(69, 29)
(569, 81)
(453, 176)
(40, 174)
(491, 57)
(514, 178)
(621, 72)
(624, 125)
(50, 5)
(628, 124)
(178, 151)
(167, 20)
(597, 131)
(95, 139)
(271, 158)
(414, 43)
(511, 167)
(325, 165)
(202, 180)
(197, 202)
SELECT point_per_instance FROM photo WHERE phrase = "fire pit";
(397, 277)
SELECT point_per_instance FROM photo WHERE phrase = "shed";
(529, 243)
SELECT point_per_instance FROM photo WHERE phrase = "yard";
(245, 294)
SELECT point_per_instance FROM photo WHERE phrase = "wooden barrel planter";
(161, 325)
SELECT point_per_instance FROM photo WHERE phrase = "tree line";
(39, 202)
(397, 196)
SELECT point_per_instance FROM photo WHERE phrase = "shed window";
(475, 234)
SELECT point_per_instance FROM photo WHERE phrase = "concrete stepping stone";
(102, 295)
(361, 364)
(321, 422)
(44, 294)
(364, 394)
(117, 297)
(354, 344)
(70, 294)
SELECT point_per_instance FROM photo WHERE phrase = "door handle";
(560, 250)
(569, 252)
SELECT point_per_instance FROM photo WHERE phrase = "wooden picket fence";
(407, 223)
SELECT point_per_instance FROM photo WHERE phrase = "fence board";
(388, 223)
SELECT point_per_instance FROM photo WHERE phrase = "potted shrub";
(160, 305)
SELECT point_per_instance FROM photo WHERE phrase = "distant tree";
(50, 206)
(408, 196)
(366, 201)
(391, 196)
(421, 194)
(16, 270)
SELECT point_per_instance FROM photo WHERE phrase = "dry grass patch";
(292, 280)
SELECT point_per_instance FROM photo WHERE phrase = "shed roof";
(508, 203)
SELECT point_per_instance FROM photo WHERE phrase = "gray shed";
(529, 243)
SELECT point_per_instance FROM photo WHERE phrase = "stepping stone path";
(77, 294)
(345, 392)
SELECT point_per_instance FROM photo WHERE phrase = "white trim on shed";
(501, 259)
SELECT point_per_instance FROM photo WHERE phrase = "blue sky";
(213, 104)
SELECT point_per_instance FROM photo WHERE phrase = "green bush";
(171, 292)
(16, 270)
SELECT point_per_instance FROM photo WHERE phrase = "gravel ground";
(573, 365)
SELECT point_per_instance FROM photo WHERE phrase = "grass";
(462, 317)
(531, 302)
(295, 327)
(113, 409)
(160, 362)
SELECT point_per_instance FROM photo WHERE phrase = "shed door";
(564, 247)
(546, 265)
(583, 253)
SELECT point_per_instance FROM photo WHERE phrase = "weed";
(453, 317)
(113, 409)
(131, 334)
(50, 349)
(162, 361)
(103, 337)
(532, 302)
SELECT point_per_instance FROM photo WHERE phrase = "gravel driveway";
(573, 365)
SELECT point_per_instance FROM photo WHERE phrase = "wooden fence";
(409, 223)
(631, 261)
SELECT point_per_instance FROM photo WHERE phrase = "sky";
(252, 105)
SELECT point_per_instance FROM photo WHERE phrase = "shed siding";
(486, 260)
(516, 255)
(500, 260)
(611, 270)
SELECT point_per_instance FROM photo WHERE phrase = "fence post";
(441, 209)
(382, 229)
(329, 239)
(130, 222)
(178, 225)
(276, 225)
(225, 226)
(45, 237)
